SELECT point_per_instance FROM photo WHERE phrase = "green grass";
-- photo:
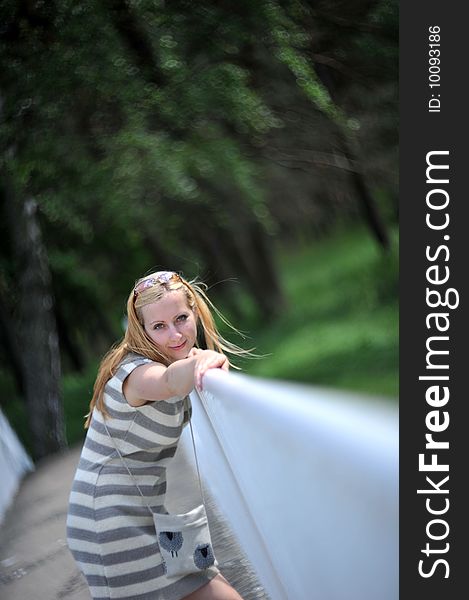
(340, 327)
(77, 393)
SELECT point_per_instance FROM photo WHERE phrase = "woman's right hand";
(205, 360)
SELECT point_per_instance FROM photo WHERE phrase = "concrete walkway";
(35, 563)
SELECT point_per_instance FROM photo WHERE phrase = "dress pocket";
(185, 542)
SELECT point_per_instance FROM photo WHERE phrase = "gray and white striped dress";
(110, 530)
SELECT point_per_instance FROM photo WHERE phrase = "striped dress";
(110, 531)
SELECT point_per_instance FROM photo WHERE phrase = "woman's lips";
(178, 347)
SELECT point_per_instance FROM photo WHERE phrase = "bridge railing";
(308, 479)
(14, 463)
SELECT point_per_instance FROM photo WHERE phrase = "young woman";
(141, 401)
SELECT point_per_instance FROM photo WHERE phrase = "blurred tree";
(38, 342)
(297, 46)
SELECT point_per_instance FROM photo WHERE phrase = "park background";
(251, 145)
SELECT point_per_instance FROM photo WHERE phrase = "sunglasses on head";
(161, 277)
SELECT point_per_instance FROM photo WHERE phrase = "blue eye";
(158, 326)
(182, 317)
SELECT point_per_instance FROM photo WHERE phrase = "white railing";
(14, 463)
(308, 480)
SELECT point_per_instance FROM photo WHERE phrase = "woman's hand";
(194, 352)
(207, 359)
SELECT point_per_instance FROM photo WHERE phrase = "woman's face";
(171, 324)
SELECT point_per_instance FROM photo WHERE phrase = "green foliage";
(340, 328)
(77, 393)
(77, 390)
(114, 133)
(290, 40)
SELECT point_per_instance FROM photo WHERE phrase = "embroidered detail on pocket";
(203, 556)
(171, 541)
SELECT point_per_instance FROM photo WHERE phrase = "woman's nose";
(174, 333)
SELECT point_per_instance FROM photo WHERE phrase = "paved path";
(35, 563)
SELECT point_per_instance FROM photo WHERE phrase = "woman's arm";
(153, 382)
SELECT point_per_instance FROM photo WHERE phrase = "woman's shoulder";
(131, 361)
(133, 357)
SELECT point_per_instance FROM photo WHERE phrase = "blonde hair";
(136, 340)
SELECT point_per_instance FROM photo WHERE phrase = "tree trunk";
(252, 257)
(243, 247)
(38, 333)
(70, 349)
(365, 198)
(9, 335)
